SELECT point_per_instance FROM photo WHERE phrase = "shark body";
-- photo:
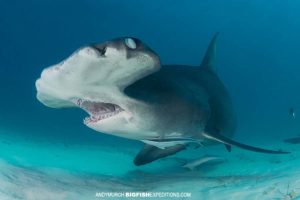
(128, 93)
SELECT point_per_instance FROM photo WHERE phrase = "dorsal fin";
(208, 61)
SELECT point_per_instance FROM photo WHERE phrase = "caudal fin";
(228, 141)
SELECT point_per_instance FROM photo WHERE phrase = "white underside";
(85, 75)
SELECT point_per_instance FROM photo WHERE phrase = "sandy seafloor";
(44, 170)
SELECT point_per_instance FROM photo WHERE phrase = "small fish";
(295, 140)
(5, 142)
(197, 162)
(292, 113)
(164, 143)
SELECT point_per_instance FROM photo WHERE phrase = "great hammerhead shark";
(128, 93)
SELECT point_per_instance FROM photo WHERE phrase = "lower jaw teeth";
(98, 118)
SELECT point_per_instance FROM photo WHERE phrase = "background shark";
(127, 93)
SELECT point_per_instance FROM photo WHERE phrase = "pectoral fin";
(228, 141)
(151, 153)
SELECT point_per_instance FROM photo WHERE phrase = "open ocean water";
(50, 154)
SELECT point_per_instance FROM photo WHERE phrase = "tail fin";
(228, 141)
(209, 59)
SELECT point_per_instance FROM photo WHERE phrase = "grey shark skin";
(127, 93)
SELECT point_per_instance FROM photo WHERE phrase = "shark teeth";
(97, 110)
(99, 117)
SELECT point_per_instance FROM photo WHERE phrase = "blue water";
(257, 59)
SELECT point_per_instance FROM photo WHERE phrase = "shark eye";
(130, 43)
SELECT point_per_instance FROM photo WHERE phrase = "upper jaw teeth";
(97, 110)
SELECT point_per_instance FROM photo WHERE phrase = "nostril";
(79, 102)
(103, 51)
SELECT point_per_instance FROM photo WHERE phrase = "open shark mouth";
(98, 111)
